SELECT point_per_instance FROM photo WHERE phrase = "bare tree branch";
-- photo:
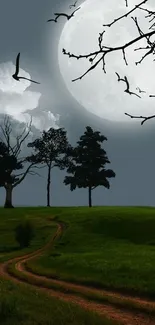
(32, 172)
(150, 13)
(127, 90)
(104, 51)
(64, 15)
(14, 150)
(126, 14)
(24, 175)
(145, 118)
(151, 45)
(6, 130)
(21, 138)
(99, 55)
(140, 91)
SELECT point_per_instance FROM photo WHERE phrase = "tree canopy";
(11, 159)
(50, 150)
(88, 162)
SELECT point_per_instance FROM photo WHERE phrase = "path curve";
(111, 312)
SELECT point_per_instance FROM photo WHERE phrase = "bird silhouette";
(63, 14)
(140, 91)
(15, 75)
(73, 5)
(127, 90)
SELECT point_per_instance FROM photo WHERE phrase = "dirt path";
(111, 312)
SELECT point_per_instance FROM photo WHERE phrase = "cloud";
(45, 120)
(19, 103)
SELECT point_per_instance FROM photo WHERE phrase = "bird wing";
(61, 14)
(73, 4)
(51, 20)
(30, 80)
(75, 10)
(17, 64)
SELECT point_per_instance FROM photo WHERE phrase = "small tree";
(88, 163)
(24, 233)
(50, 150)
(10, 159)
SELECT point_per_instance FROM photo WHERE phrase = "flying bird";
(15, 75)
(127, 90)
(74, 5)
(63, 14)
(140, 91)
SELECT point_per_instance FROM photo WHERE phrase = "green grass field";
(20, 304)
(109, 247)
(25, 306)
(9, 219)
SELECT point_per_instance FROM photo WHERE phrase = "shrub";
(24, 233)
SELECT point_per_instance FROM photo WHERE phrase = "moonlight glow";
(98, 92)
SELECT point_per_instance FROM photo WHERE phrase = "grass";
(127, 305)
(23, 305)
(110, 247)
(20, 304)
(9, 219)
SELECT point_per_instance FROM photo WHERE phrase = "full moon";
(100, 93)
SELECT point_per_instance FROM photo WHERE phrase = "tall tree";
(11, 160)
(142, 14)
(88, 162)
(50, 151)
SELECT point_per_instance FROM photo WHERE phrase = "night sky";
(130, 147)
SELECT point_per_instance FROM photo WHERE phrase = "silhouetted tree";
(50, 150)
(88, 162)
(10, 159)
(98, 56)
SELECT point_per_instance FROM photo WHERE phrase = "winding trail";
(123, 316)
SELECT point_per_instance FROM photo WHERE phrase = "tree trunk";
(8, 198)
(48, 186)
(89, 195)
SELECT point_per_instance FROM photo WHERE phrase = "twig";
(140, 91)
(64, 15)
(105, 51)
(127, 90)
(150, 13)
(145, 118)
(126, 14)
